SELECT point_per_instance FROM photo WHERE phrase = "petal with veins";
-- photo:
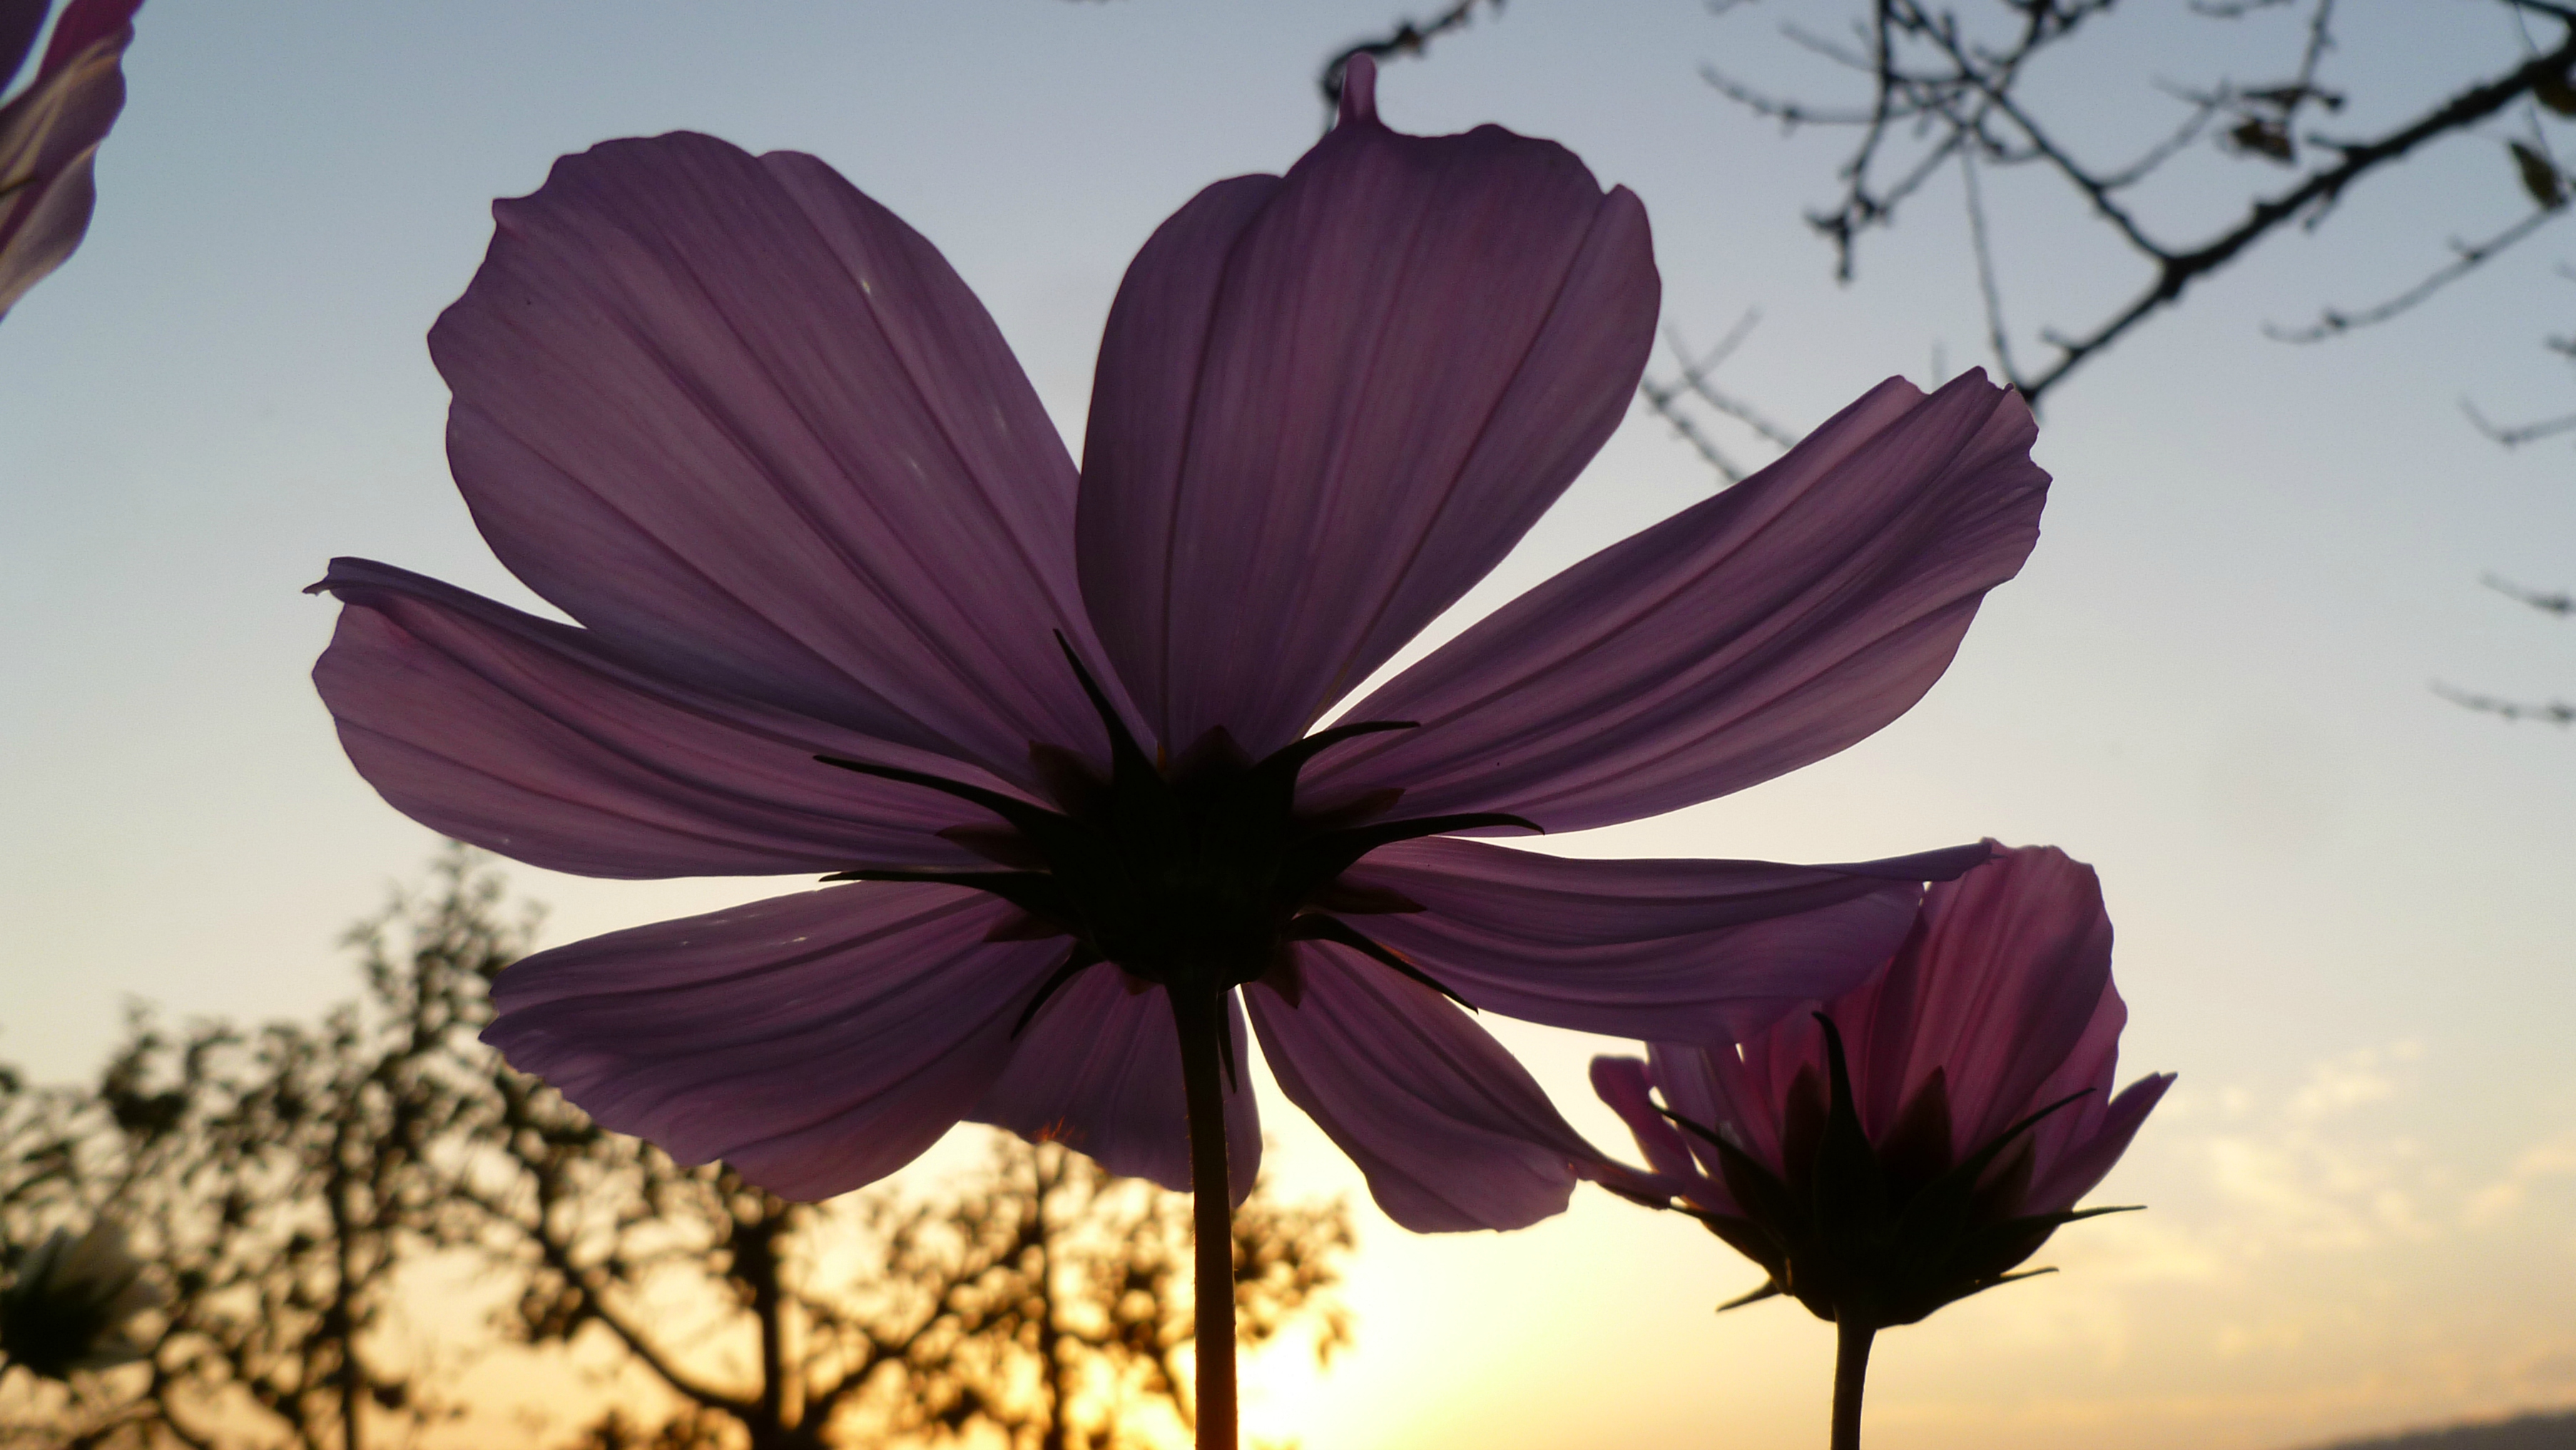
(1623, 1084)
(748, 425)
(1326, 405)
(537, 740)
(2088, 1160)
(1452, 1132)
(1099, 1070)
(2012, 967)
(1668, 950)
(817, 1042)
(1768, 627)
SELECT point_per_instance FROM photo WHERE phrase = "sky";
(2341, 901)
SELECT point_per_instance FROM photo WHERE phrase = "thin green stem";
(1201, 1016)
(1851, 1367)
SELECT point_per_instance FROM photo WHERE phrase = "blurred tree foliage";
(296, 1189)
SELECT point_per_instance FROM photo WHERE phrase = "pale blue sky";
(2343, 904)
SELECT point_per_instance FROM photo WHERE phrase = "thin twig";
(1665, 402)
(2561, 603)
(1950, 97)
(2549, 712)
(2518, 434)
(1996, 335)
(1407, 38)
(2467, 257)
(1693, 379)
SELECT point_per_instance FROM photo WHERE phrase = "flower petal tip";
(1359, 92)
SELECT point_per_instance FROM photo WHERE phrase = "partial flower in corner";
(51, 130)
(845, 605)
(69, 1305)
(1917, 1139)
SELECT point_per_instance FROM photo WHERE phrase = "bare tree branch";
(1949, 97)
(281, 1185)
(2561, 603)
(2518, 434)
(2551, 712)
(2466, 258)
(1666, 403)
(1692, 380)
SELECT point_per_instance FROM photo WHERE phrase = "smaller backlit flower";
(1919, 1137)
(49, 133)
(68, 1306)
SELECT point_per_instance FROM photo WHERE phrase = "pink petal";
(85, 23)
(2059, 1186)
(1736, 1091)
(1099, 1070)
(2088, 1069)
(2011, 967)
(1666, 950)
(1451, 1131)
(20, 20)
(49, 134)
(1327, 405)
(817, 1042)
(542, 742)
(746, 424)
(1623, 1084)
(1763, 629)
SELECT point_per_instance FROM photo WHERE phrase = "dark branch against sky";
(1406, 37)
(1942, 93)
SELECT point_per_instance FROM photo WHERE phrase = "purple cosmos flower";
(49, 133)
(846, 605)
(1923, 1134)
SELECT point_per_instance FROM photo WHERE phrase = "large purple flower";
(846, 606)
(50, 132)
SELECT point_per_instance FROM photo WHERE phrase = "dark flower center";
(1880, 1232)
(1196, 873)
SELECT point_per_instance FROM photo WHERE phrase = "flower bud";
(1919, 1138)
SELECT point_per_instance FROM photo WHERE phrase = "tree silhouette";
(291, 1190)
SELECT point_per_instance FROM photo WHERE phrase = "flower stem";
(1201, 1016)
(1851, 1366)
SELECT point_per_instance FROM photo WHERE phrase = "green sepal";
(1756, 1241)
(1764, 1198)
(1770, 1289)
(1851, 1200)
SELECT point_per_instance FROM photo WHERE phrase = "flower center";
(1195, 874)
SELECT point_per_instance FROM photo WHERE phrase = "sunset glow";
(2342, 905)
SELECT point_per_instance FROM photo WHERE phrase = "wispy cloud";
(2319, 1258)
